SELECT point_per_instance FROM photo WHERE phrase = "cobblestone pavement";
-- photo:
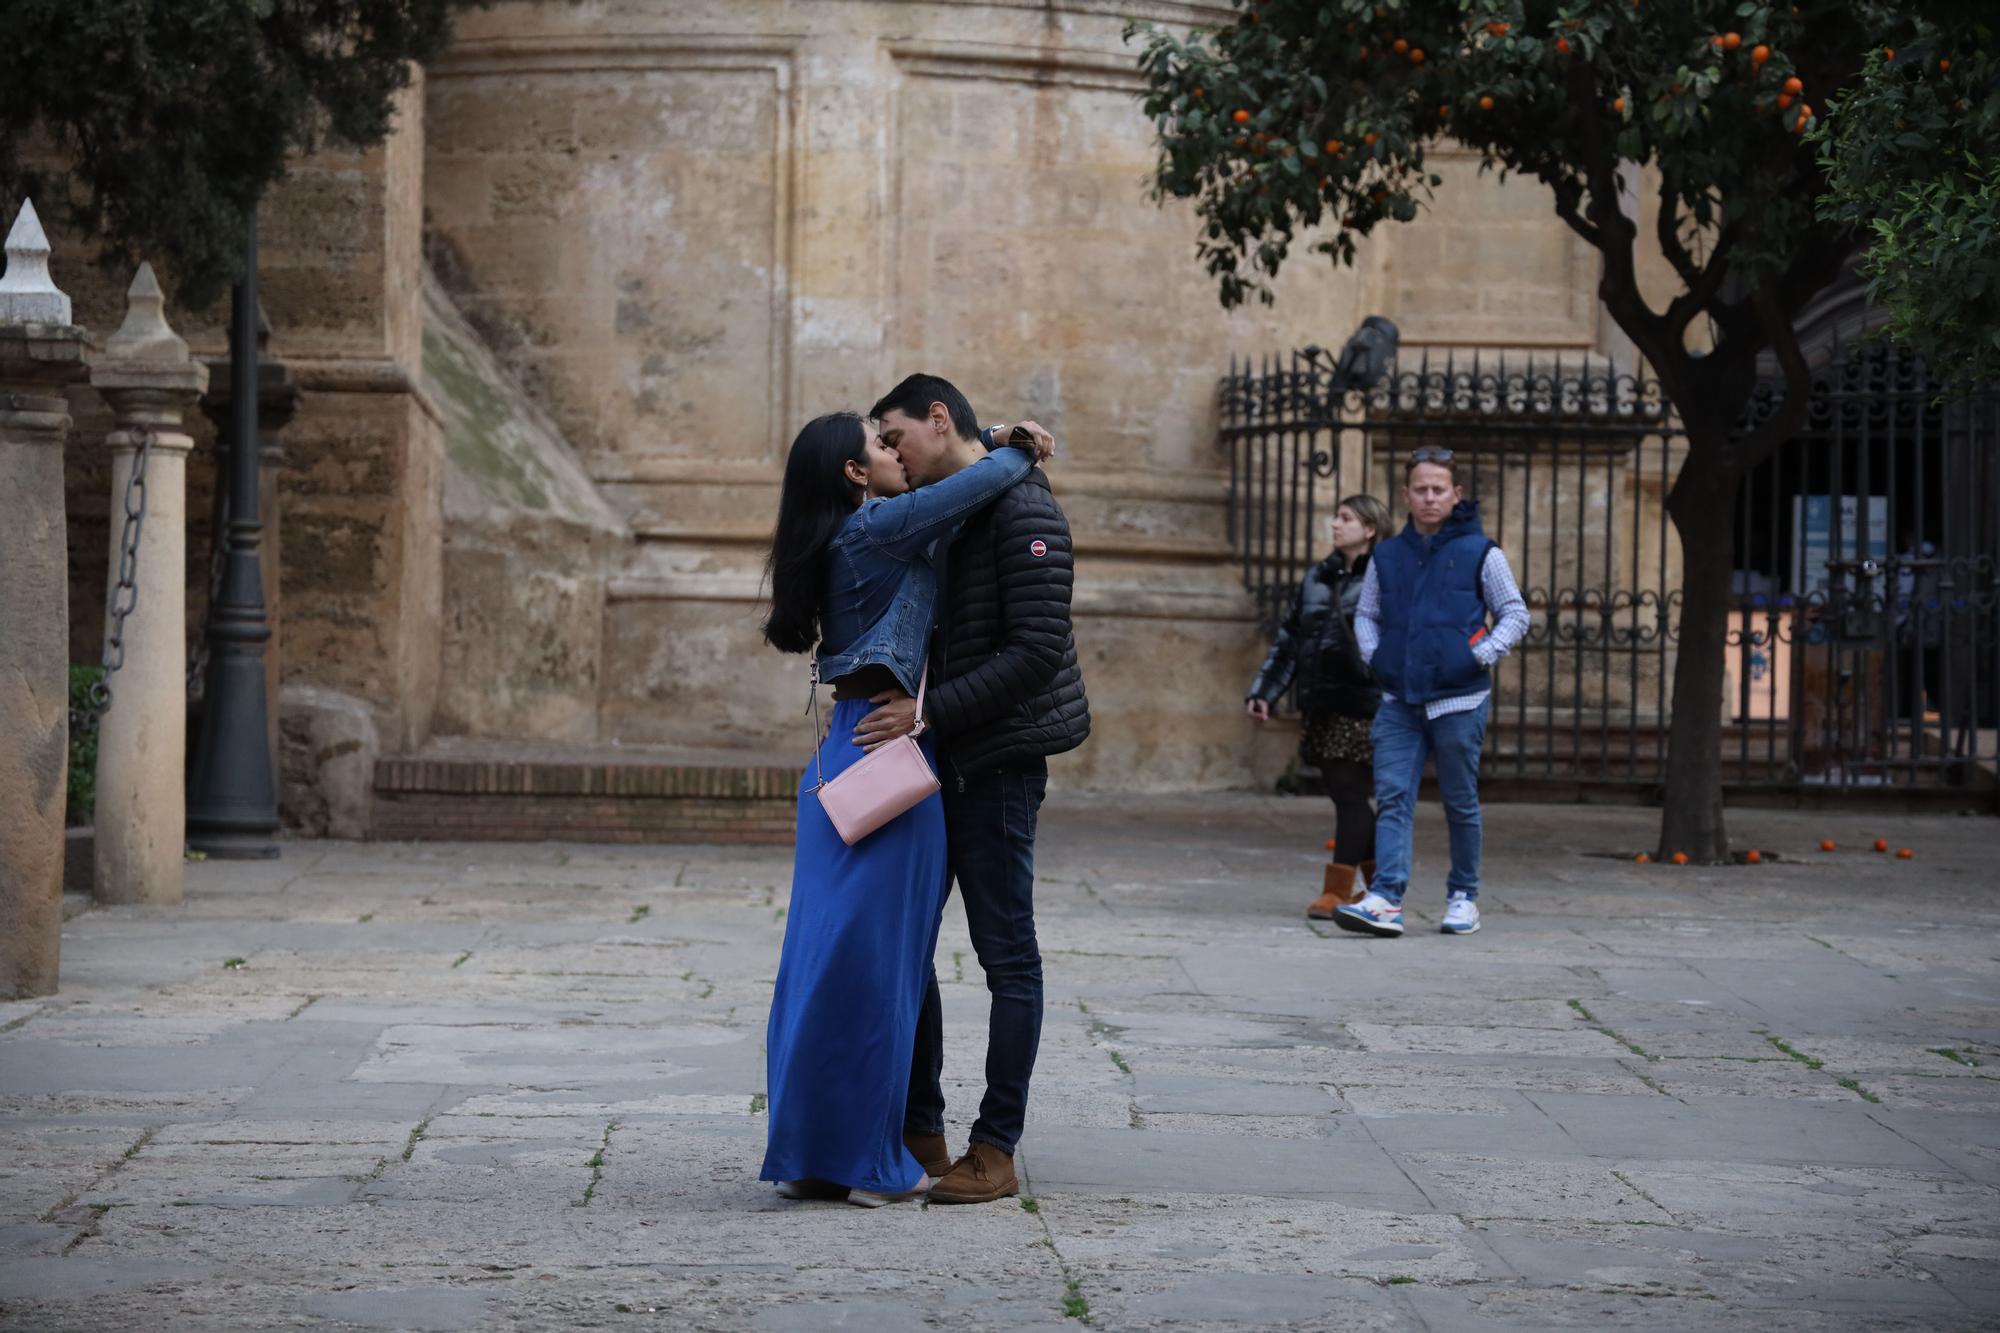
(450, 1087)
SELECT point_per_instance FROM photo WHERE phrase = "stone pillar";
(148, 380)
(40, 352)
(277, 402)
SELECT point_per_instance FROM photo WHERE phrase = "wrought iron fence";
(1864, 636)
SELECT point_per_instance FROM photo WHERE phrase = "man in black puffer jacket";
(1005, 693)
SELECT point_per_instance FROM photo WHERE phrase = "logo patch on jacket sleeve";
(1038, 548)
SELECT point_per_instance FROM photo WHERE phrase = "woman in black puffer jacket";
(1316, 647)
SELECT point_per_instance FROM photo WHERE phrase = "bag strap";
(812, 711)
(923, 685)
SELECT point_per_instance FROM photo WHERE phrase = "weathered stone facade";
(673, 234)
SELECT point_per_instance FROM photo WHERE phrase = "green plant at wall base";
(82, 806)
(171, 118)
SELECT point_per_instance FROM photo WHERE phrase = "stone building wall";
(688, 228)
(681, 230)
(340, 268)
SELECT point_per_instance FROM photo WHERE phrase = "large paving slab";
(444, 1087)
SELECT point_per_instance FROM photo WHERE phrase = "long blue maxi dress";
(859, 940)
(863, 925)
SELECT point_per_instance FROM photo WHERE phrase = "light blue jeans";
(1404, 738)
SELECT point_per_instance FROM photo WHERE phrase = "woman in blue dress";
(852, 579)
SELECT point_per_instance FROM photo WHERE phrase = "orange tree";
(1307, 123)
(170, 118)
(1912, 154)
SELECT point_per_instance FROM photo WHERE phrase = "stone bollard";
(40, 352)
(148, 380)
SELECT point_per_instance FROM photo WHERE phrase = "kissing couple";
(927, 567)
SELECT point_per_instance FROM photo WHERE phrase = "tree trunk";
(1704, 497)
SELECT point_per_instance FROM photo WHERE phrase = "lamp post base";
(234, 847)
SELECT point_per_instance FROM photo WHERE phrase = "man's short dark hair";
(914, 396)
(1436, 457)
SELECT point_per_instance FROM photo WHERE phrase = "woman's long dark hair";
(816, 501)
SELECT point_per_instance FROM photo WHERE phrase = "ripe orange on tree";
(1731, 40)
(1197, 92)
(1562, 46)
(1498, 27)
(1794, 86)
(1618, 105)
(1369, 138)
(1944, 67)
(1402, 45)
(1486, 103)
(1759, 54)
(1333, 146)
(1784, 100)
(1417, 56)
(1888, 53)
(1241, 117)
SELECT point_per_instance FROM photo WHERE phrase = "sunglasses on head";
(1431, 454)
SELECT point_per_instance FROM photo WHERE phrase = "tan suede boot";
(1339, 889)
(981, 1176)
(933, 1154)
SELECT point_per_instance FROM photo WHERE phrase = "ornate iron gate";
(1865, 633)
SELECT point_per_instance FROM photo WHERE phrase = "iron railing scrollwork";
(1863, 634)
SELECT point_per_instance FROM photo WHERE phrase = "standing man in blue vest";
(1422, 627)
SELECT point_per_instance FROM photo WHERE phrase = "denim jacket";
(881, 579)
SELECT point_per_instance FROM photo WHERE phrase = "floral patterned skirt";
(1326, 737)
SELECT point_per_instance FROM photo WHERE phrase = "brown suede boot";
(1339, 889)
(981, 1176)
(933, 1154)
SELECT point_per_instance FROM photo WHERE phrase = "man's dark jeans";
(990, 837)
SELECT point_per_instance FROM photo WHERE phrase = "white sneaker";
(1461, 916)
(871, 1199)
(810, 1189)
(1373, 915)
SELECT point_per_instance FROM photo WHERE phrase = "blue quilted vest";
(1432, 609)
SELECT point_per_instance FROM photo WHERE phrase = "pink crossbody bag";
(881, 784)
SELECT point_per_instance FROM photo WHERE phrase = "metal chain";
(124, 595)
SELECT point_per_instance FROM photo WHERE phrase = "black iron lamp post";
(232, 804)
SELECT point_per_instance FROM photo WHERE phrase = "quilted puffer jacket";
(1005, 681)
(1315, 645)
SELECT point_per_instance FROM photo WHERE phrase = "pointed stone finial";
(27, 294)
(145, 334)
